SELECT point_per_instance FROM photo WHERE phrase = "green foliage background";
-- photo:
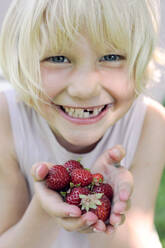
(160, 211)
(160, 208)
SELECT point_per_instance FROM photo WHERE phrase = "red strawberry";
(73, 196)
(103, 211)
(97, 178)
(99, 204)
(104, 188)
(57, 178)
(72, 164)
(81, 176)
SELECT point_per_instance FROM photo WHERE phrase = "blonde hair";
(33, 26)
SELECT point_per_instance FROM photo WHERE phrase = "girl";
(77, 69)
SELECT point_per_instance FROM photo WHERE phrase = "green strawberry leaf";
(71, 185)
(63, 194)
(78, 185)
(81, 196)
(99, 195)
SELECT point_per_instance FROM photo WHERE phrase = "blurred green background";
(160, 211)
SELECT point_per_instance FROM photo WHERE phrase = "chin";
(78, 143)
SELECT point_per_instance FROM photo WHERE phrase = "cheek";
(119, 85)
(52, 82)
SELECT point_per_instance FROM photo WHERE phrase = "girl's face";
(90, 90)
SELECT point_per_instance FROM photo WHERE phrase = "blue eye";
(112, 58)
(58, 59)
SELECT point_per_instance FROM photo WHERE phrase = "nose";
(84, 85)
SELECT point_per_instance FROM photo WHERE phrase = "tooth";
(70, 113)
(71, 110)
(96, 112)
(86, 114)
(81, 113)
(67, 109)
(74, 114)
(77, 112)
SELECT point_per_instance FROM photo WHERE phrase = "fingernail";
(37, 172)
(116, 225)
(74, 215)
(96, 230)
(89, 222)
(116, 152)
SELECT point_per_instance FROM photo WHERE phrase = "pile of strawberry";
(78, 186)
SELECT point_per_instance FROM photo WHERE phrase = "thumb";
(53, 204)
(40, 170)
(109, 157)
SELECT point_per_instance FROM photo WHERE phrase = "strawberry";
(73, 196)
(81, 176)
(97, 178)
(57, 178)
(72, 164)
(103, 211)
(104, 188)
(97, 203)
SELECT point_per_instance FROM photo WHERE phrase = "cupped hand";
(121, 181)
(66, 215)
(69, 216)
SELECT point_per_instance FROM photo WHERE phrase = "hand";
(121, 181)
(68, 216)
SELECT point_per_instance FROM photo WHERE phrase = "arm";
(146, 169)
(22, 223)
(149, 160)
(138, 230)
(17, 221)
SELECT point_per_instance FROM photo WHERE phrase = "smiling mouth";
(84, 113)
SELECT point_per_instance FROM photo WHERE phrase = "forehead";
(80, 44)
(101, 21)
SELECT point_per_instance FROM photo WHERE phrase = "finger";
(109, 157)
(117, 219)
(116, 154)
(53, 204)
(90, 220)
(99, 226)
(120, 207)
(40, 170)
(125, 185)
(110, 229)
(82, 224)
(122, 181)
